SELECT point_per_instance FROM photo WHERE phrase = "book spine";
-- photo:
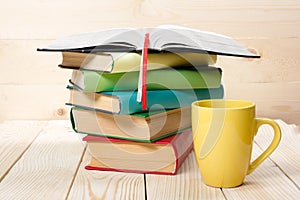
(72, 120)
(182, 145)
(157, 99)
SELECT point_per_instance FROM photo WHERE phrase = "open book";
(162, 38)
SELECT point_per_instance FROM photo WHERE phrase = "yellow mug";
(223, 132)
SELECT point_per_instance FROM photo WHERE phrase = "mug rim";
(248, 104)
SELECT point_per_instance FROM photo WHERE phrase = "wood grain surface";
(267, 182)
(45, 160)
(287, 156)
(90, 184)
(15, 138)
(187, 184)
(269, 28)
(47, 168)
(48, 163)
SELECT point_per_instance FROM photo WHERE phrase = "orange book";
(161, 157)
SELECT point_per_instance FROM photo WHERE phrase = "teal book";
(202, 77)
(124, 102)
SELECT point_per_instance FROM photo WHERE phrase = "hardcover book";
(161, 157)
(144, 127)
(203, 77)
(124, 102)
(131, 61)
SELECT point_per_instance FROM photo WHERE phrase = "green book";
(202, 77)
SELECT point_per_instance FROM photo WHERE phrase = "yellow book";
(124, 62)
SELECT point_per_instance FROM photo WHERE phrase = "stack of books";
(105, 96)
(121, 135)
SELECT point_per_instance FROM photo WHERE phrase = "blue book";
(124, 102)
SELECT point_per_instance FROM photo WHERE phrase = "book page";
(162, 38)
(106, 40)
(177, 38)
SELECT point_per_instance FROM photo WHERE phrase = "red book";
(161, 157)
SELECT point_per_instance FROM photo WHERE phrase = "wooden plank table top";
(46, 159)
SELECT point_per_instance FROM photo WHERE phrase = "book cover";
(203, 77)
(143, 127)
(131, 61)
(161, 157)
(124, 102)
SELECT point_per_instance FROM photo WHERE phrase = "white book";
(162, 38)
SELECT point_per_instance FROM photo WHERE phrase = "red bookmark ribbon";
(144, 72)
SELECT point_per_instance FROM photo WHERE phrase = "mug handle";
(271, 147)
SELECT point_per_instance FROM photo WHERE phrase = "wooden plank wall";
(32, 87)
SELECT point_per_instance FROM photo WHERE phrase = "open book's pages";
(162, 38)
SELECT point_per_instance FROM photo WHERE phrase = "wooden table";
(46, 159)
